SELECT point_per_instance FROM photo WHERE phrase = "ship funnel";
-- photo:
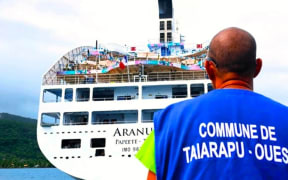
(168, 26)
(165, 9)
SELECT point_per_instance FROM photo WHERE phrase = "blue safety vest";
(224, 134)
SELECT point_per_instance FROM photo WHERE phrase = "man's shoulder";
(267, 102)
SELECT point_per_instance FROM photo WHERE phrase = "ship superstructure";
(97, 103)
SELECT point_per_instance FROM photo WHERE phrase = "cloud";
(272, 84)
(22, 104)
(34, 34)
(265, 20)
(105, 20)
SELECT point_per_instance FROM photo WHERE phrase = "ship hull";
(103, 146)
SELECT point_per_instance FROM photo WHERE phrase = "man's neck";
(235, 84)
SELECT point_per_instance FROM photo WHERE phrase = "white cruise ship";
(97, 103)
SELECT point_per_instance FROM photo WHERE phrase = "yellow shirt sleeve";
(146, 154)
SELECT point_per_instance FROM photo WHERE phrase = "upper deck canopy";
(114, 63)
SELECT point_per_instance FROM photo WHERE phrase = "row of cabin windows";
(124, 93)
(168, 25)
(98, 143)
(94, 143)
(98, 117)
(76, 143)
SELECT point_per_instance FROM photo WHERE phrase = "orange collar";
(236, 84)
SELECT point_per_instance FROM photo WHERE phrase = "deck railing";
(124, 78)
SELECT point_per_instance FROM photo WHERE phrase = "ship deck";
(127, 77)
(81, 66)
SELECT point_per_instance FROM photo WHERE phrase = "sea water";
(33, 173)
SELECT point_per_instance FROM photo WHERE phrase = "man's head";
(232, 56)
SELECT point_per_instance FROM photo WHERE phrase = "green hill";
(18, 143)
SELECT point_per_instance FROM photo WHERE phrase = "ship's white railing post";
(188, 90)
(74, 94)
(63, 95)
(91, 94)
(140, 99)
(205, 87)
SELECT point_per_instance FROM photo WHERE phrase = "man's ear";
(210, 70)
(258, 66)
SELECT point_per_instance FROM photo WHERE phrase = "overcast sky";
(34, 34)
